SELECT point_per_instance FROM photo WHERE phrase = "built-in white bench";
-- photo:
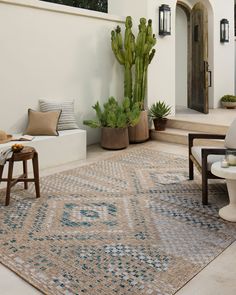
(69, 146)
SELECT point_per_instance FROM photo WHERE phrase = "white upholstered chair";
(204, 156)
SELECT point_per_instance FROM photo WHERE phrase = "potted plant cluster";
(138, 53)
(159, 112)
(114, 120)
(228, 101)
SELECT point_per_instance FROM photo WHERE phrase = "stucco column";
(161, 74)
(224, 53)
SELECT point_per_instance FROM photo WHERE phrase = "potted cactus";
(114, 121)
(138, 53)
(158, 112)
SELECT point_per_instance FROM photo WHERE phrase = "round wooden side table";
(228, 212)
(27, 153)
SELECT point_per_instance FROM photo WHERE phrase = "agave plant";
(159, 110)
(115, 115)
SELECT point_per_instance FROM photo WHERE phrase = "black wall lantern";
(224, 30)
(164, 20)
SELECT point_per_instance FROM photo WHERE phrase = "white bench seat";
(69, 146)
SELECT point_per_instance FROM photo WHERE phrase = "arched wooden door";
(199, 53)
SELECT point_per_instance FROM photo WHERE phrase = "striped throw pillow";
(67, 118)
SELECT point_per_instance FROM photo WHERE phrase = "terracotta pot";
(140, 132)
(114, 138)
(160, 124)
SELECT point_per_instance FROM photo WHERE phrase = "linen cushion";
(42, 123)
(230, 138)
(67, 118)
(197, 153)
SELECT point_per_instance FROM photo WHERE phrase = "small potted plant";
(114, 120)
(228, 101)
(158, 112)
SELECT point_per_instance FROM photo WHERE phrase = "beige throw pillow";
(42, 123)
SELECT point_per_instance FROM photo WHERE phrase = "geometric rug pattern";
(131, 224)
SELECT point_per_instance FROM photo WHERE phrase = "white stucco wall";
(161, 76)
(134, 8)
(224, 72)
(58, 52)
(181, 55)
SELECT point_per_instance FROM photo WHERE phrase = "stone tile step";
(180, 136)
(197, 126)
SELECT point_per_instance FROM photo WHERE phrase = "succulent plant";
(137, 52)
(228, 98)
(144, 54)
(115, 115)
(125, 53)
(159, 110)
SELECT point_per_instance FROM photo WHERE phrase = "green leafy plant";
(115, 115)
(159, 110)
(228, 98)
(137, 52)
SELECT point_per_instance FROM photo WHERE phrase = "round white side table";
(228, 212)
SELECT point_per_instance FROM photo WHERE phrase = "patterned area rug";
(131, 224)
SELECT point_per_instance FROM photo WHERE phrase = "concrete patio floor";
(218, 278)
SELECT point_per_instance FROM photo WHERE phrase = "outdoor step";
(180, 136)
(197, 126)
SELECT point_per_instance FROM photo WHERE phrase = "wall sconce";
(224, 30)
(164, 20)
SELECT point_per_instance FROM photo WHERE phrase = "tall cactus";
(139, 53)
(125, 53)
(143, 57)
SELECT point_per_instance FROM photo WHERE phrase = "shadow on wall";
(105, 76)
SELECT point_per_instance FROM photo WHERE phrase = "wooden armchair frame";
(203, 168)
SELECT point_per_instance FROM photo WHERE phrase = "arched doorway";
(192, 70)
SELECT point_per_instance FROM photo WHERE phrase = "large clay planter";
(114, 138)
(160, 124)
(140, 132)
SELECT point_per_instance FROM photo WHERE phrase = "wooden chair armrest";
(206, 152)
(192, 136)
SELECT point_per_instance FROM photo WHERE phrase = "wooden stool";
(28, 153)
